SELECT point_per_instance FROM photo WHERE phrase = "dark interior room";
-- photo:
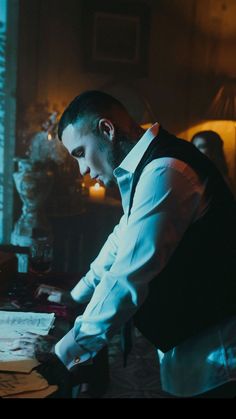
(171, 64)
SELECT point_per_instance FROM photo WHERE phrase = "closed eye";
(78, 152)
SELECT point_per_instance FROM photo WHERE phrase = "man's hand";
(51, 368)
(55, 295)
(52, 294)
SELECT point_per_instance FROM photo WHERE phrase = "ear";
(106, 128)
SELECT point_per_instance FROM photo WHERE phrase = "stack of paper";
(16, 377)
(13, 327)
(15, 323)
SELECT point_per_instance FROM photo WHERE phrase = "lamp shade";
(223, 106)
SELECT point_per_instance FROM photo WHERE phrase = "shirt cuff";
(82, 293)
(68, 351)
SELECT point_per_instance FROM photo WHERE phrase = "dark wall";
(187, 52)
(191, 46)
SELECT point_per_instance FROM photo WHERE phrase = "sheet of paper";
(14, 323)
(9, 346)
(14, 327)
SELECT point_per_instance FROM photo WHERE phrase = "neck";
(125, 142)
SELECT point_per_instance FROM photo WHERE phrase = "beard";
(116, 150)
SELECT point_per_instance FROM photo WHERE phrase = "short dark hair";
(213, 140)
(89, 103)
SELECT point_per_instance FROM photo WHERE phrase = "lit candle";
(97, 192)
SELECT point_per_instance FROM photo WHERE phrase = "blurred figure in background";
(211, 144)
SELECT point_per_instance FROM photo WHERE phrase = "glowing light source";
(97, 192)
(147, 125)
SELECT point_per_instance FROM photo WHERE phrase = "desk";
(21, 291)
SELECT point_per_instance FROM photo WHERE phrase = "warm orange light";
(146, 125)
(97, 192)
(227, 131)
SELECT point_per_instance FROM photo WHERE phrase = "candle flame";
(97, 186)
(49, 137)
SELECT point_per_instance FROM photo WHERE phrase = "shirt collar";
(133, 158)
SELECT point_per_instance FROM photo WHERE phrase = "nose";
(83, 167)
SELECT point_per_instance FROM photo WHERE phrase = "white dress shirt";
(168, 198)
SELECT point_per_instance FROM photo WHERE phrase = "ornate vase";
(33, 185)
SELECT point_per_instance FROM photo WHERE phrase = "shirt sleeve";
(165, 203)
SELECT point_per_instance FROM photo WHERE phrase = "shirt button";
(77, 360)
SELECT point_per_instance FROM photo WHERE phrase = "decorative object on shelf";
(33, 186)
(48, 182)
(97, 192)
(38, 131)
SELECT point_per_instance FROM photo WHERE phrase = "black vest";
(197, 288)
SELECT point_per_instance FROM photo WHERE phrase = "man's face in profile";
(94, 153)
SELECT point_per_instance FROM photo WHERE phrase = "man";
(211, 144)
(169, 264)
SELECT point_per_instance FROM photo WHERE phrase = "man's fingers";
(53, 294)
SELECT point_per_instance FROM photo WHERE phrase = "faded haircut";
(88, 107)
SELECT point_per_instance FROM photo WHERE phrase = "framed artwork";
(116, 37)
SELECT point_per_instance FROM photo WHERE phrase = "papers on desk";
(14, 326)
(21, 366)
(15, 323)
(17, 380)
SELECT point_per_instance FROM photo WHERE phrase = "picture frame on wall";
(116, 37)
